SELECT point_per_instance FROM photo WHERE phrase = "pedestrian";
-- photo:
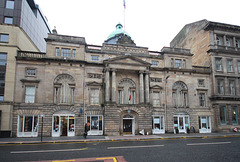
(86, 129)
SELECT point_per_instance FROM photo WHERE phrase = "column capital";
(141, 72)
(106, 69)
(113, 70)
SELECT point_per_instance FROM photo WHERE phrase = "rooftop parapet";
(66, 39)
(169, 50)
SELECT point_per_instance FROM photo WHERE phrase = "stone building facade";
(17, 32)
(120, 88)
(216, 45)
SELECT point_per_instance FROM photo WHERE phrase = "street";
(210, 149)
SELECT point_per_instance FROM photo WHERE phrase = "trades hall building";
(119, 87)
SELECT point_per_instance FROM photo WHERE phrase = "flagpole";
(124, 23)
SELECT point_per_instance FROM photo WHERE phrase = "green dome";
(119, 30)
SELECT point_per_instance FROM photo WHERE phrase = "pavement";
(37, 140)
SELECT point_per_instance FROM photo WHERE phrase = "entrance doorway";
(63, 125)
(181, 123)
(128, 125)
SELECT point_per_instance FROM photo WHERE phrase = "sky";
(150, 23)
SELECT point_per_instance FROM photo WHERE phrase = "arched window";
(180, 94)
(64, 86)
(126, 91)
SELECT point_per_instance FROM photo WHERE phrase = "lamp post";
(42, 115)
(166, 80)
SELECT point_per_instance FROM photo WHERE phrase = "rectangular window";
(172, 62)
(94, 96)
(28, 123)
(95, 58)
(238, 66)
(230, 65)
(201, 83)
(234, 116)
(30, 94)
(8, 20)
(156, 98)
(218, 64)
(158, 123)
(31, 72)
(154, 63)
(223, 117)
(96, 122)
(10, 4)
(184, 63)
(57, 52)
(74, 53)
(202, 99)
(178, 63)
(220, 86)
(4, 37)
(66, 52)
(232, 87)
(3, 64)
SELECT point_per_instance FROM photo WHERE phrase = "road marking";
(134, 147)
(107, 158)
(41, 151)
(213, 143)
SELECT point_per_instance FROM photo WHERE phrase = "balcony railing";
(28, 54)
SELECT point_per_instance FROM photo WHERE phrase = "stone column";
(107, 84)
(141, 99)
(147, 86)
(113, 85)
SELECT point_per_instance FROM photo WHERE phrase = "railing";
(28, 54)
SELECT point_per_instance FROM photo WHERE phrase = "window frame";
(228, 42)
(238, 64)
(7, 18)
(10, 4)
(199, 83)
(232, 87)
(178, 62)
(27, 95)
(230, 65)
(74, 53)
(220, 86)
(2, 38)
(65, 52)
(218, 64)
(236, 115)
(95, 57)
(158, 98)
(202, 99)
(30, 75)
(223, 122)
(218, 41)
(93, 97)
(155, 63)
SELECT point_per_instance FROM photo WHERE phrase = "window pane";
(35, 126)
(218, 64)
(234, 115)
(10, 4)
(28, 124)
(178, 63)
(230, 66)
(94, 123)
(154, 63)
(4, 37)
(20, 124)
(95, 58)
(30, 94)
(100, 122)
(57, 52)
(222, 115)
(66, 52)
(8, 20)
(74, 53)
(31, 72)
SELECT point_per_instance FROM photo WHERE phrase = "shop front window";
(234, 116)
(223, 118)
(27, 125)
(96, 124)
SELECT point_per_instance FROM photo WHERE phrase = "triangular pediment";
(127, 60)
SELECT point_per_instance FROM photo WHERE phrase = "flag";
(124, 4)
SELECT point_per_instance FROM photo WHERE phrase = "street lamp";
(42, 115)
